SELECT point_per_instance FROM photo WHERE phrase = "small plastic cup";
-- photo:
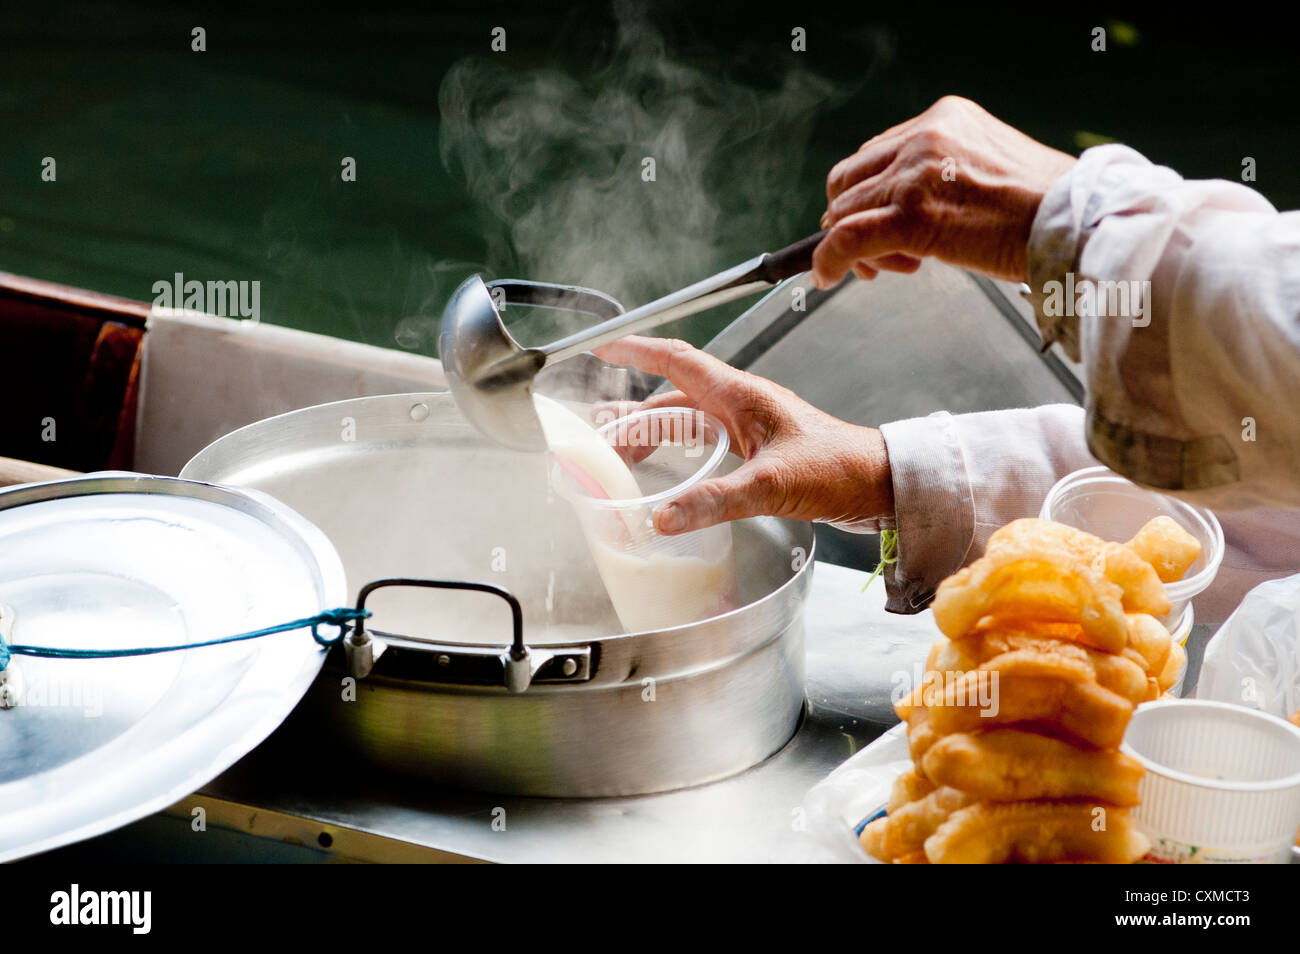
(654, 581)
(1222, 782)
(1100, 501)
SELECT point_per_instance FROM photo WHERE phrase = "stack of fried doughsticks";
(1052, 641)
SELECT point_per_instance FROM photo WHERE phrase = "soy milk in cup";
(616, 479)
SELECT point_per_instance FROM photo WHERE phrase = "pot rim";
(249, 432)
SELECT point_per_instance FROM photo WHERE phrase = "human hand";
(954, 183)
(800, 462)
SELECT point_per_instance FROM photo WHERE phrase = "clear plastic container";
(655, 581)
(1222, 782)
(1100, 501)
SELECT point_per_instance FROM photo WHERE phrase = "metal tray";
(124, 560)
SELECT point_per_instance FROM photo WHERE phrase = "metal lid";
(124, 560)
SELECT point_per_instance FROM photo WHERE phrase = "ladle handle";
(760, 272)
(791, 260)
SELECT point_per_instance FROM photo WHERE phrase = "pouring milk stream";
(653, 581)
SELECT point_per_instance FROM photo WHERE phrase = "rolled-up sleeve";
(958, 477)
(1191, 385)
(1191, 389)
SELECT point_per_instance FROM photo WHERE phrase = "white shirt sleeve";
(1194, 390)
(958, 477)
(1182, 300)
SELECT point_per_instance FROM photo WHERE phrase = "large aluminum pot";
(404, 487)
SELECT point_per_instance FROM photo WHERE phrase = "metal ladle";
(491, 375)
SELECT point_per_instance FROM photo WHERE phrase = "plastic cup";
(1100, 501)
(654, 581)
(1222, 782)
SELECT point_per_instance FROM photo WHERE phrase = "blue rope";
(335, 617)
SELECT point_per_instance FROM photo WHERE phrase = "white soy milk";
(654, 582)
(663, 590)
(571, 437)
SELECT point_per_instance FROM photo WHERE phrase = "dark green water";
(226, 164)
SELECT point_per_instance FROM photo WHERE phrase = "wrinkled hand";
(799, 462)
(954, 183)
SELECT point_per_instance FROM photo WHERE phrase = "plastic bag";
(1254, 658)
(857, 789)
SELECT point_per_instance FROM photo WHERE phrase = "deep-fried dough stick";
(1036, 832)
(1169, 548)
(1148, 637)
(1122, 674)
(1051, 631)
(906, 829)
(1003, 765)
(1082, 710)
(1173, 665)
(950, 655)
(920, 733)
(910, 786)
(1143, 591)
(1050, 586)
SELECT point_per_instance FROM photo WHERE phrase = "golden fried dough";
(1123, 674)
(1169, 548)
(1036, 832)
(948, 655)
(1153, 689)
(1032, 662)
(1002, 765)
(914, 698)
(1173, 666)
(1148, 637)
(1120, 675)
(910, 786)
(1143, 591)
(920, 733)
(1294, 718)
(906, 829)
(929, 692)
(1014, 733)
(1052, 587)
(1064, 704)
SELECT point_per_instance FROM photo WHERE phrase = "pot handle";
(519, 664)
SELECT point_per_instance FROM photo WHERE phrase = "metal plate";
(123, 560)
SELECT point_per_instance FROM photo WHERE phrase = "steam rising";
(556, 164)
